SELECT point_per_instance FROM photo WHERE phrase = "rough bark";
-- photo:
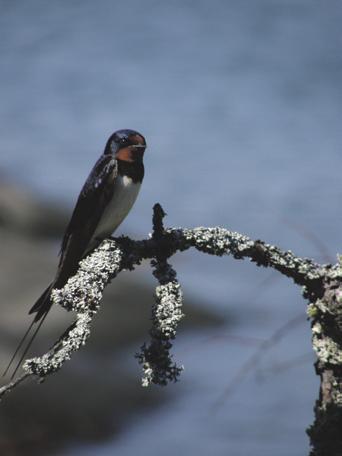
(326, 315)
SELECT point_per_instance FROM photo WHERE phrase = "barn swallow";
(103, 203)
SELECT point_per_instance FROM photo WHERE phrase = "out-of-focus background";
(240, 103)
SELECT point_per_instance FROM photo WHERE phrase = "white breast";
(124, 196)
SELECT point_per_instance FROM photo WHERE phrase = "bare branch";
(253, 361)
(8, 388)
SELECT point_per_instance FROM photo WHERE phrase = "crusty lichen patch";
(312, 310)
(327, 350)
(82, 294)
(155, 357)
(53, 360)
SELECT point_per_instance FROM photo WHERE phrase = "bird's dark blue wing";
(92, 201)
(95, 194)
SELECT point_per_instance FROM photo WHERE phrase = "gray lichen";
(325, 313)
(155, 358)
(328, 351)
(219, 241)
(167, 312)
(53, 360)
(82, 294)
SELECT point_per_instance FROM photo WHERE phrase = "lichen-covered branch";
(83, 292)
(321, 285)
(326, 323)
(219, 241)
(155, 357)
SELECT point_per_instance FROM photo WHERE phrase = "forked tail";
(41, 308)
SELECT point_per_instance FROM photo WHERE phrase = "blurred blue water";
(240, 103)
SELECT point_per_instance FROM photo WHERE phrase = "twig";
(8, 388)
(255, 358)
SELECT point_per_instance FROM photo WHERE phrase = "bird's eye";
(123, 140)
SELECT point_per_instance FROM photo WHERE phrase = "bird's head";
(126, 145)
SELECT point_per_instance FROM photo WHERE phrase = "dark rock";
(22, 213)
